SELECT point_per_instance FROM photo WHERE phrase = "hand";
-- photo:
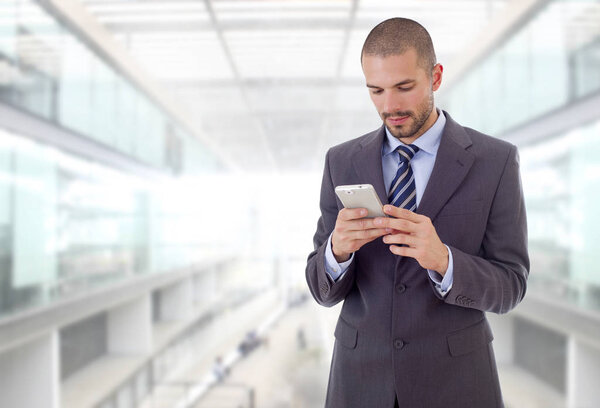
(418, 234)
(352, 231)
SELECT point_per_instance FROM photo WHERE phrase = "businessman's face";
(402, 92)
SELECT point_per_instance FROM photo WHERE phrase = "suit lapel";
(367, 163)
(452, 164)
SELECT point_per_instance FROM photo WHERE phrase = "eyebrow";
(405, 82)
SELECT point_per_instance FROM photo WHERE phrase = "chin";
(395, 131)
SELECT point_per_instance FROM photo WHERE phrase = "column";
(176, 301)
(584, 372)
(29, 374)
(130, 327)
(503, 327)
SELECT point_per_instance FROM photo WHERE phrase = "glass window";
(6, 205)
(75, 86)
(49, 71)
(584, 186)
(37, 54)
(549, 61)
(34, 217)
(586, 61)
(473, 95)
(151, 144)
(561, 178)
(492, 95)
(103, 102)
(8, 29)
(143, 131)
(515, 106)
(127, 100)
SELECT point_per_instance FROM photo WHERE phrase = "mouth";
(399, 120)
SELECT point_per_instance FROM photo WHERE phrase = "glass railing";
(46, 70)
(561, 180)
(68, 225)
(551, 61)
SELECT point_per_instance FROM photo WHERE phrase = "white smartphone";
(361, 196)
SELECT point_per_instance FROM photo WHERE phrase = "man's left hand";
(418, 234)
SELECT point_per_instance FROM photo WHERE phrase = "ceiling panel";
(276, 82)
(210, 100)
(285, 53)
(291, 98)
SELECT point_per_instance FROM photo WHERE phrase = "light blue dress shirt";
(422, 166)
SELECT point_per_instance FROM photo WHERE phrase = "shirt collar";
(427, 142)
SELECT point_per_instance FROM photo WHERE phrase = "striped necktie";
(403, 193)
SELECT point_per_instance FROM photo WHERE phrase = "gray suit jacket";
(396, 335)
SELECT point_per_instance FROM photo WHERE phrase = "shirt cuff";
(334, 269)
(444, 285)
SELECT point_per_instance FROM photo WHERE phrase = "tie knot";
(407, 152)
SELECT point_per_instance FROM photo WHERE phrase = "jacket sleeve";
(325, 291)
(496, 279)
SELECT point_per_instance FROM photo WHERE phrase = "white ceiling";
(276, 82)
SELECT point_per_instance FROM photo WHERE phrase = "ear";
(436, 76)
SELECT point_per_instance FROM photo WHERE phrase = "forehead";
(396, 68)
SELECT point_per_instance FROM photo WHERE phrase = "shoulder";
(349, 147)
(486, 144)
(478, 143)
(493, 155)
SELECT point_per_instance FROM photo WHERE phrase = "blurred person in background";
(412, 331)
(220, 371)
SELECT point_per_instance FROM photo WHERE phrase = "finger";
(400, 239)
(354, 245)
(347, 214)
(347, 227)
(395, 223)
(402, 213)
(364, 241)
(360, 224)
(403, 251)
(369, 234)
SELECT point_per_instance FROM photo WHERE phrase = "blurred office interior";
(160, 166)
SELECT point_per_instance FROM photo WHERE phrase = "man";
(412, 331)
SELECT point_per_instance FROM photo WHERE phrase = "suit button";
(398, 344)
(400, 288)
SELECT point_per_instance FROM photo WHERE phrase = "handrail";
(22, 326)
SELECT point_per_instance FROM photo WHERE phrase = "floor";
(284, 372)
(290, 367)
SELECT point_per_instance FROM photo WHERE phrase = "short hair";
(397, 35)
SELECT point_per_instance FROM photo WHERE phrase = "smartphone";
(361, 196)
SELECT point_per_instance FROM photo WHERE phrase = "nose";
(392, 102)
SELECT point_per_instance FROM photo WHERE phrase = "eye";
(406, 89)
(376, 91)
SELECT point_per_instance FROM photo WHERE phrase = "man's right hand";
(352, 231)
